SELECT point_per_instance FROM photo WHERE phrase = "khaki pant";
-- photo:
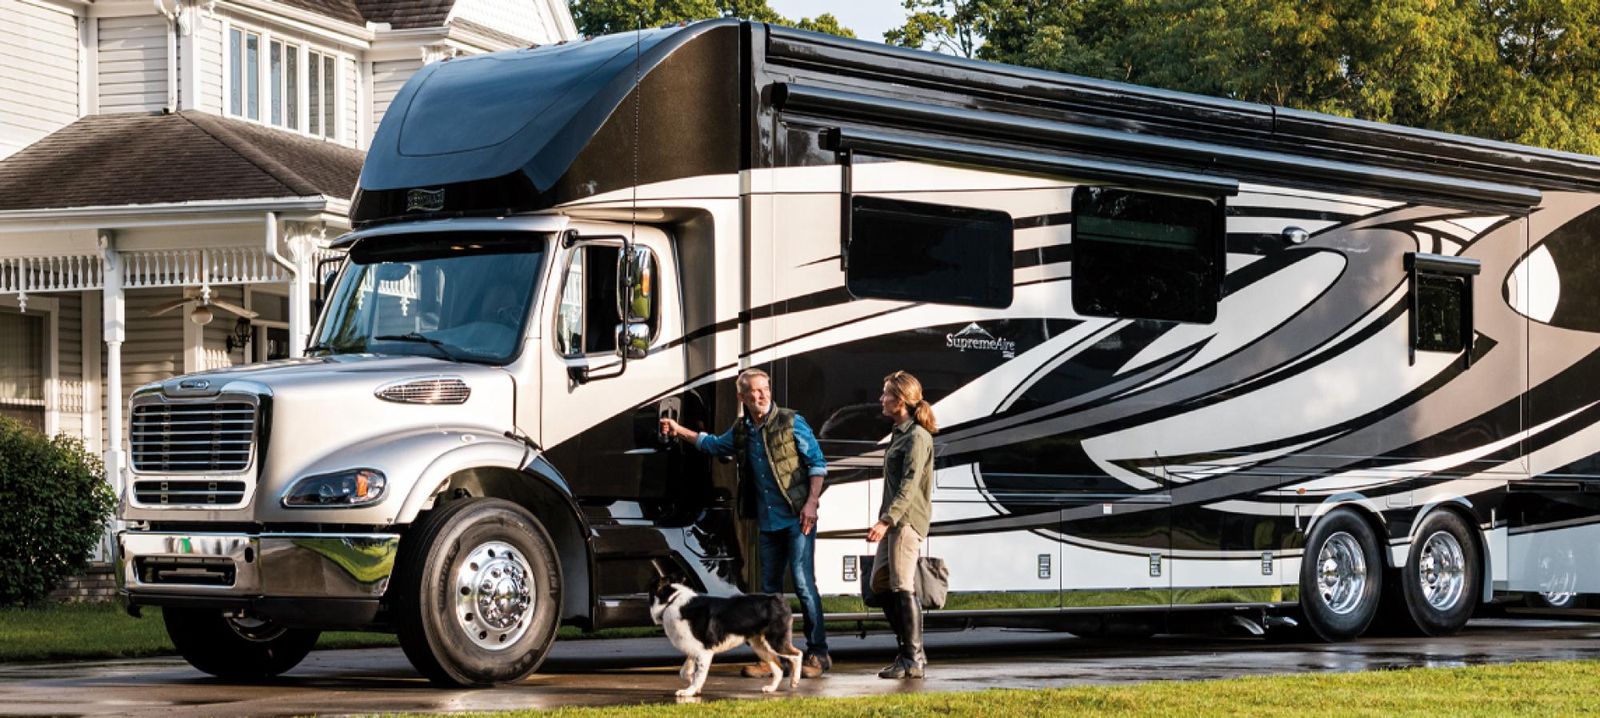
(895, 566)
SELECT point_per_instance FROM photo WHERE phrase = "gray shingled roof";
(403, 14)
(132, 159)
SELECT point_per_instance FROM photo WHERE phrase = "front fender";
(481, 451)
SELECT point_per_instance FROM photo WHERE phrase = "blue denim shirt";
(772, 510)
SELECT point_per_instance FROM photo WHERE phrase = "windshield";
(462, 296)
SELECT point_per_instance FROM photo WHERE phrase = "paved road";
(631, 671)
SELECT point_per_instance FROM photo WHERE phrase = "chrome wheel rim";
(1341, 573)
(1441, 570)
(494, 595)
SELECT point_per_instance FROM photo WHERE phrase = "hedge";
(54, 505)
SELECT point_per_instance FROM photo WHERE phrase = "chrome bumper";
(273, 565)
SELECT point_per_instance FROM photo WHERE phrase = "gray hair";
(742, 383)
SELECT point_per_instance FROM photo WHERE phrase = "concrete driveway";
(631, 671)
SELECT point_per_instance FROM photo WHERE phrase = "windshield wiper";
(319, 348)
(422, 339)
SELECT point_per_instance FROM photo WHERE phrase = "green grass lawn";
(81, 631)
(1523, 689)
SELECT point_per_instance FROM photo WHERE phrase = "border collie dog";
(703, 626)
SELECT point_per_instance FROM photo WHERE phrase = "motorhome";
(1190, 356)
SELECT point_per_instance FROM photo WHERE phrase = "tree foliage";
(1517, 70)
(603, 17)
(57, 503)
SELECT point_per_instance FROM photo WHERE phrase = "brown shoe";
(815, 665)
(760, 670)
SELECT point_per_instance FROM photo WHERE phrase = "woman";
(904, 517)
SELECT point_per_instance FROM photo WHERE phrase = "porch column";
(115, 331)
(300, 252)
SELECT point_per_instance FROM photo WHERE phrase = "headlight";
(356, 487)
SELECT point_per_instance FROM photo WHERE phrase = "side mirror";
(636, 286)
(633, 340)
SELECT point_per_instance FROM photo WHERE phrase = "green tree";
(603, 17)
(948, 26)
(1518, 70)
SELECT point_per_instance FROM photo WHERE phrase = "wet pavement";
(632, 671)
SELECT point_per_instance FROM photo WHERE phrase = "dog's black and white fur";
(703, 626)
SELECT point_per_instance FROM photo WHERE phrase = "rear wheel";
(478, 593)
(1341, 577)
(1441, 581)
(236, 647)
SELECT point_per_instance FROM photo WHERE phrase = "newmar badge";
(979, 339)
(425, 200)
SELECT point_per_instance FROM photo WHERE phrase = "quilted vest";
(777, 433)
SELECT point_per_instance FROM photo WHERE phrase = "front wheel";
(236, 647)
(477, 593)
(1341, 576)
(1441, 581)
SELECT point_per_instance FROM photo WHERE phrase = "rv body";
(1303, 362)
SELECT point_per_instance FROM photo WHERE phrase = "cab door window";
(588, 318)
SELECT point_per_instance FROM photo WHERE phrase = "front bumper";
(278, 566)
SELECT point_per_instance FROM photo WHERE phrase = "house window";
(919, 252)
(1139, 255)
(321, 79)
(22, 370)
(1441, 304)
(272, 81)
(284, 81)
(244, 70)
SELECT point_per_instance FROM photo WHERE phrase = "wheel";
(238, 648)
(1341, 577)
(1440, 581)
(477, 593)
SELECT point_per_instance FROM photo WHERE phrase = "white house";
(153, 151)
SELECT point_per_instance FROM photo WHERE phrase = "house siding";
(71, 406)
(387, 79)
(38, 72)
(133, 64)
(208, 40)
(214, 338)
(153, 350)
(351, 111)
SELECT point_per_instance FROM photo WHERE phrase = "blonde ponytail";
(908, 390)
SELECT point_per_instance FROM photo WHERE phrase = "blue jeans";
(791, 551)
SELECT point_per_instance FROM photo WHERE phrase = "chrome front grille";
(166, 492)
(192, 437)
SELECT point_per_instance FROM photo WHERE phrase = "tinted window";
(1439, 319)
(921, 252)
(588, 319)
(1146, 256)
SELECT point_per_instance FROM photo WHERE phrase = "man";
(781, 470)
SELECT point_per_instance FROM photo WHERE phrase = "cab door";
(599, 410)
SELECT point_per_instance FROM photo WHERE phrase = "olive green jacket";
(908, 478)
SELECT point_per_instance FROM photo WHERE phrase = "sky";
(868, 18)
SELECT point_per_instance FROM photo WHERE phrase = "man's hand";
(877, 532)
(808, 517)
(675, 430)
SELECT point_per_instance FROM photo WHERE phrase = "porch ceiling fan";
(201, 314)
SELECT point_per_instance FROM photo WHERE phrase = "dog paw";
(769, 689)
(685, 693)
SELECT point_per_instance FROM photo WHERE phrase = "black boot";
(891, 611)
(915, 659)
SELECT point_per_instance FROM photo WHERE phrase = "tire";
(1442, 578)
(245, 649)
(477, 593)
(1341, 577)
